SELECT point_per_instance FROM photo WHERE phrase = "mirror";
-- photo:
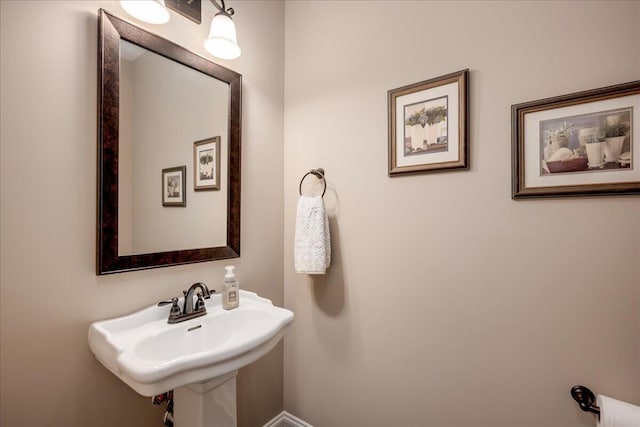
(163, 113)
(168, 153)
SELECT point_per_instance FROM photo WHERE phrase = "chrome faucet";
(190, 310)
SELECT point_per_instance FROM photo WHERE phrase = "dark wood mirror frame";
(110, 31)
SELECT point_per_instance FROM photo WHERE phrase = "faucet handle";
(175, 311)
(166, 302)
(199, 303)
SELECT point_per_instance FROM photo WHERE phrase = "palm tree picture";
(205, 168)
(426, 127)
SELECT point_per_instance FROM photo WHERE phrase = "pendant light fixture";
(222, 42)
(149, 11)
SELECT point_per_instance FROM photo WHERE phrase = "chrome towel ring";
(318, 173)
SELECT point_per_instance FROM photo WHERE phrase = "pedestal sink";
(198, 358)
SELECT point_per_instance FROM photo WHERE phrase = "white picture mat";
(452, 155)
(532, 158)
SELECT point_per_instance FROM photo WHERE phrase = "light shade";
(150, 11)
(222, 42)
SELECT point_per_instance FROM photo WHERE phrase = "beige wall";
(49, 291)
(448, 303)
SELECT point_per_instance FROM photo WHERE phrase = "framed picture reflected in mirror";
(174, 186)
(206, 164)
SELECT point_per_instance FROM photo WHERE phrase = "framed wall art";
(580, 144)
(206, 164)
(429, 125)
(174, 186)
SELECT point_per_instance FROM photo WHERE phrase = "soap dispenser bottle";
(231, 290)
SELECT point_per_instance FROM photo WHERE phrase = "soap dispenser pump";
(231, 290)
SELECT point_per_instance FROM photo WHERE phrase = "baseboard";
(285, 419)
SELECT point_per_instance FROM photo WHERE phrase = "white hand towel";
(616, 413)
(312, 246)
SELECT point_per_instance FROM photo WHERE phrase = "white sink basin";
(153, 357)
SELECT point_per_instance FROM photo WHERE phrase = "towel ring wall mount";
(318, 173)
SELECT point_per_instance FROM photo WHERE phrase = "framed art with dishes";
(429, 125)
(581, 144)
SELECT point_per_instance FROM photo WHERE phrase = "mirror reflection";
(168, 111)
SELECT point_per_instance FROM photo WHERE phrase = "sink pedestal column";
(208, 404)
